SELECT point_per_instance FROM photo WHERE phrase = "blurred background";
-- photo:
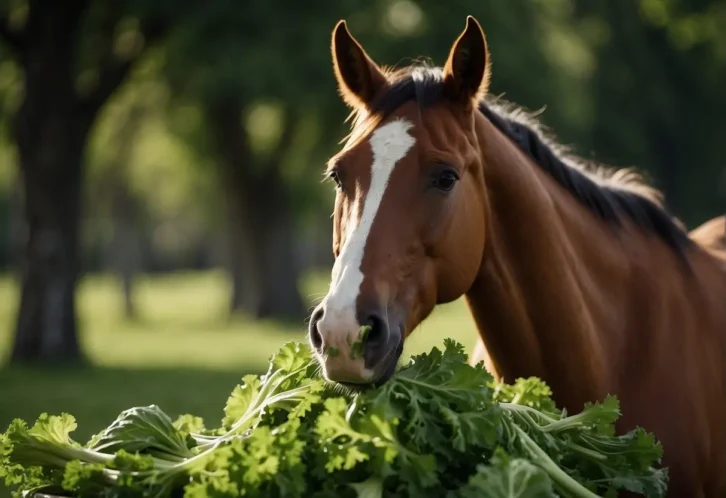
(163, 224)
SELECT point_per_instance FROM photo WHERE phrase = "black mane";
(611, 195)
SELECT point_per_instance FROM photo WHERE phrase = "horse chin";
(388, 370)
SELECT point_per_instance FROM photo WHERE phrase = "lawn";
(183, 353)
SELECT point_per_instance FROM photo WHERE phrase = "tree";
(121, 204)
(74, 54)
(260, 214)
(658, 95)
(239, 64)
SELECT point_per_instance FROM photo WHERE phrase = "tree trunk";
(271, 229)
(51, 129)
(50, 135)
(242, 267)
(124, 207)
(16, 236)
(50, 159)
(263, 267)
(234, 153)
(125, 245)
(280, 295)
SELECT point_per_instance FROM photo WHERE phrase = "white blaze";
(389, 143)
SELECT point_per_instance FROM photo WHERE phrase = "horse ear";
(466, 72)
(359, 78)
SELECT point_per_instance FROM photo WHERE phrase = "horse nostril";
(316, 339)
(376, 333)
(375, 339)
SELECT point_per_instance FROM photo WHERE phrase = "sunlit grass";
(182, 322)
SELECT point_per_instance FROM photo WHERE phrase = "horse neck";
(550, 273)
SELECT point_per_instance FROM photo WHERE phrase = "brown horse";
(574, 275)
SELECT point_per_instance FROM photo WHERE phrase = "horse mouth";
(386, 369)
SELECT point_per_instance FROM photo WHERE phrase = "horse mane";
(611, 194)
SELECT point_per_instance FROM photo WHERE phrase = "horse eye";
(446, 179)
(333, 175)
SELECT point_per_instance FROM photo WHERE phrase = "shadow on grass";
(96, 395)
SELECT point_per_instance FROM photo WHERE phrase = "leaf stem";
(559, 476)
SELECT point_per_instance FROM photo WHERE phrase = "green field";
(183, 353)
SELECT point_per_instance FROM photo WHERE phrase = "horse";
(572, 272)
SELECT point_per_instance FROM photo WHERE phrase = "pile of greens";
(438, 428)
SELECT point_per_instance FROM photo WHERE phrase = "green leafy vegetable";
(144, 429)
(438, 427)
(357, 348)
(505, 477)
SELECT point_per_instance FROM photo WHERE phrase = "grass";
(183, 353)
